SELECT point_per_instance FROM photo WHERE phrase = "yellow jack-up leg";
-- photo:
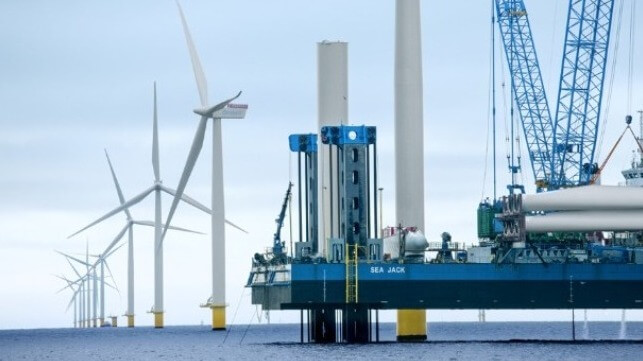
(411, 325)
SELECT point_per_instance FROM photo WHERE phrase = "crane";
(277, 245)
(561, 150)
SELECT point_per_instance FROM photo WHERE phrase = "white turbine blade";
(112, 277)
(187, 199)
(235, 226)
(71, 302)
(112, 252)
(151, 224)
(210, 111)
(69, 284)
(155, 143)
(74, 268)
(201, 82)
(113, 287)
(118, 237)
(191, 201)
(74, 258)
(123, 206)
(121, 198)
(197, 144)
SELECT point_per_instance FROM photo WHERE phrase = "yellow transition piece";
(158, 319)
(218, 317)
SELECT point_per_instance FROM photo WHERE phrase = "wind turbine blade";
(112, 277)
(210, 111)
(185, 198)
(74, 268)
(235, 226)
(113, 251)
(64, 288)
(197, 144)
(155, 143)
(116, 240)
(151, 224)
(201, 82)
(74, 258)
(122, 207)
(71, 302)
(121, 198)
(113, 287)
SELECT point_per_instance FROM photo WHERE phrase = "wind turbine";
(157, 188)
(71, 284)
(101, 259)
(80, 294)
(81, 278)
(85, 299)
(223, 110)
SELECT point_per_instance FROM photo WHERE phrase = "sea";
(281, 342)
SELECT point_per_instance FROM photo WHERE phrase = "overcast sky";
(76, 77)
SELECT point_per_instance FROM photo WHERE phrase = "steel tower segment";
(580, 92)
(527, 86)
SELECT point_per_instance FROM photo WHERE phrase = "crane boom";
(278, 247)
(580, 91)
(561, 151)
(527, 86)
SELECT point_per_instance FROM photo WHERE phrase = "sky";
(77, 78)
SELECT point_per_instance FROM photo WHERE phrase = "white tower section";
(332, 103)
(409, 125)
(409, 141)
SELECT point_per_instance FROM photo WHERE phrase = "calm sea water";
(447, 341)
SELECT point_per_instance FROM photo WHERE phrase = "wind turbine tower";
(332, 109)
(409, 141)
(223, 110)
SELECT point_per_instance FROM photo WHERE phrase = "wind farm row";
(89, 279)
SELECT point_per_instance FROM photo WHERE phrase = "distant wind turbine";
(102, 261)
(157, 188)
(223, 110)
(75, 287)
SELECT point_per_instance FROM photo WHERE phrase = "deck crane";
(561, 150)
(278, 246)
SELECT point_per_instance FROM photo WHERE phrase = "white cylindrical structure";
(409, 141)
(218, 220)
(130, 272)
(586, 221)
(332, 108)
(409, 125)
(588, 198)
(158, 261)
(95, 300)
(102, 291)
(88, 310)
(81, 304)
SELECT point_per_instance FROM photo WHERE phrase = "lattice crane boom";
(527, 85)
(580, 91)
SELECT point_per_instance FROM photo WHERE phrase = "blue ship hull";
(459, 286)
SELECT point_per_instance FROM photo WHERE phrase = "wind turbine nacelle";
(230, 111)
